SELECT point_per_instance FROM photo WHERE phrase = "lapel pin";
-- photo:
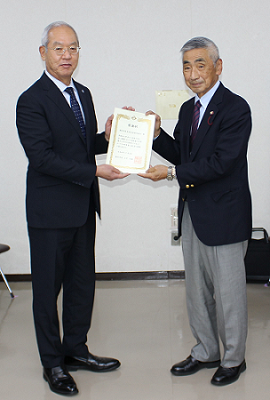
(208, 121)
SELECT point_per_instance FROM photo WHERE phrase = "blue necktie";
(76, 109)
(195, 120)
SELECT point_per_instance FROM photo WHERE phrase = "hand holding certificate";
(131, 141)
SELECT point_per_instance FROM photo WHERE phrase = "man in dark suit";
(209, 153)
(58, 130)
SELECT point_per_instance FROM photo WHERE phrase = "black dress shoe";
(91, 363)
(225, 376)
(60, 381)
(191, 365)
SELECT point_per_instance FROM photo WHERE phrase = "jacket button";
(187, 186)
(192, 185)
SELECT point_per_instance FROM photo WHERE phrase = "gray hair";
(45, 35)
(201, 42)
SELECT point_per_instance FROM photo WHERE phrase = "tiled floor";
(145, 325)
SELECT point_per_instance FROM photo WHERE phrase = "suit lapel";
(187, 121)
(57, 97)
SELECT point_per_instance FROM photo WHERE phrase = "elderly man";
(208, 153)
(58, 129)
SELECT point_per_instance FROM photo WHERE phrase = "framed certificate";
(131, 141)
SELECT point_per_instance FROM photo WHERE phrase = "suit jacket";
(61, 172)
(213, 178)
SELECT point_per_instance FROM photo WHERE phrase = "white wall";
(130, 49)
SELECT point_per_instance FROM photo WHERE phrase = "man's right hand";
(156, 173)
(109, 172)
(157, 124)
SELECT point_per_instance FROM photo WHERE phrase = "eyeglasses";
(61, 50)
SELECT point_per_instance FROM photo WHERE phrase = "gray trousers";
(216, 297)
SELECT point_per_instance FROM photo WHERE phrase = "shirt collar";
(205, 99)
(61, 86)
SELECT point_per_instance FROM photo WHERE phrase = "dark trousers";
(63, 258)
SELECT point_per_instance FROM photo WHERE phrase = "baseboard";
(114, 276)
(132, 276)
(17, 278)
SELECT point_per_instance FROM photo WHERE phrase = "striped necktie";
(195, 120)
(76, 109)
